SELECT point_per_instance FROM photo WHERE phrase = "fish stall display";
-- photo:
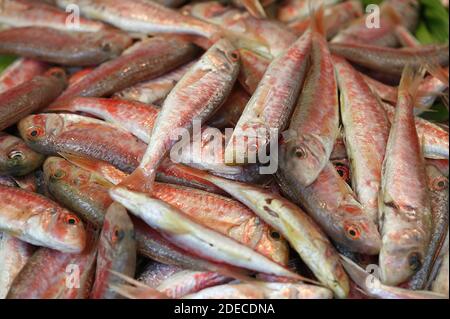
(257, 149)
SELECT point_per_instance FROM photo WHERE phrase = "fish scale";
(349, 174)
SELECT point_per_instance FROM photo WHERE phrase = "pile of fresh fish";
(241, 149)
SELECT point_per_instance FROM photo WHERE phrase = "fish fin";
(202, 42)
(438, 72)
(274, 278)
(101, 168)
(356, 273)
(79, 161)
(444, 99)
(124, 291)
(424, 107)
(422, 150)
(64, 106)
(411, 79)
(134, 289)
(317, 18)
(131, 292)
(362, 291)
(255, 8)
(243, 41)
(128, 280)
(406, 38)
(240, 274)
(389, 12)
(139, 181)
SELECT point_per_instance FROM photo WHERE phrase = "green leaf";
(5, 61)
(437, 113)
(367, 2)
(433, 27)
(423, 34)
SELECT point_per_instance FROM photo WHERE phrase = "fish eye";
(35, 131)
(106, 47)
(59, 174)
(352, 232)
(300, 152)
(16, 155)
(234, 56)
(117, 235)
(275, 235)
(71, 220)
(343, 171)
(58, 73)
(440, 184)
(415, 261)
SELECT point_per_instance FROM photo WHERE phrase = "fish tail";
(139, 181)
(438, 72)
(442, 75)
(255, 8)
(411, 79)
(317, 18)
(390, 13)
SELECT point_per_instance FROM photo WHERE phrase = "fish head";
(223, 56)
(274, 246)
(401, 256)
(56, 170)
(77, 189)
(114, 43)
(360, 234)
(118, 230)
(40, 130)
(437, 182)
(304, 155)
(60, 229)
(16, 158)
(343, 168)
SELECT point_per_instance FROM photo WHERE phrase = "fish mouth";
(69, 240)
(370, 245)
(74, 241)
